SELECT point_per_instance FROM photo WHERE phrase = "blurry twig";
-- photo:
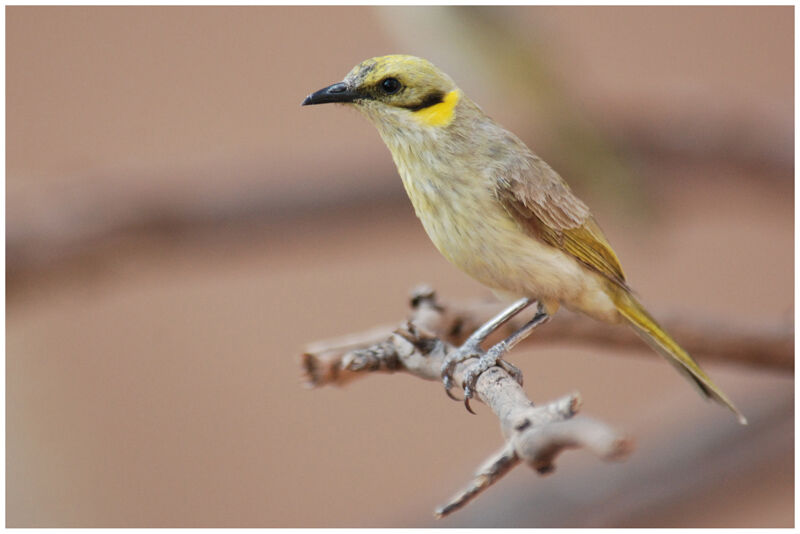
(574, 144)
(597, 144)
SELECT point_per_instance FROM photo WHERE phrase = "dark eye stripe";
(430, 99)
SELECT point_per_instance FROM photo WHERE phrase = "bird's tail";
(655, 336)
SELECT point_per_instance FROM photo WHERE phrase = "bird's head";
(396, 92)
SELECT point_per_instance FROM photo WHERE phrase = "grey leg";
(471, 346)
(494, 356)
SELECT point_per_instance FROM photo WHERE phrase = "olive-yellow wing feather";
(543, 205)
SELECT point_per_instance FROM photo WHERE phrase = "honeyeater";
(498, 212)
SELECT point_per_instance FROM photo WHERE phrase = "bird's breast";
(474, 232)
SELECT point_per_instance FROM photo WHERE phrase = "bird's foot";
(469, 349)
(488, 359)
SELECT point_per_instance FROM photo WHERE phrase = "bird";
(498, 212)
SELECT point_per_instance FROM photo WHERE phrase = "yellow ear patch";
(440, 114)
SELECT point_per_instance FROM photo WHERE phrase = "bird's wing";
(543, 205)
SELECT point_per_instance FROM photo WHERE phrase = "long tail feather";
(655, 336)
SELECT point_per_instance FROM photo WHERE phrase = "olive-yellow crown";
(401, 81)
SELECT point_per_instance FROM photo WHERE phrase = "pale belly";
(481, 239)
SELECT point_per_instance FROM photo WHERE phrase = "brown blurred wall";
(178, 228)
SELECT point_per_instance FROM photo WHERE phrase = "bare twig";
(539, 443)
(535, 435)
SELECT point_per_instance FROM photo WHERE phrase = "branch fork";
(535, 435)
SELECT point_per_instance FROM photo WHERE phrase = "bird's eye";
(390, 86)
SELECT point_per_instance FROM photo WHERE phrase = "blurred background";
(178, 228)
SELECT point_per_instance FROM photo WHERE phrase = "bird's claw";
(448, 386)
(487, 360)
(465, 352)
(466, 403)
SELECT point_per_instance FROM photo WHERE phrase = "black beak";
(338, 92)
